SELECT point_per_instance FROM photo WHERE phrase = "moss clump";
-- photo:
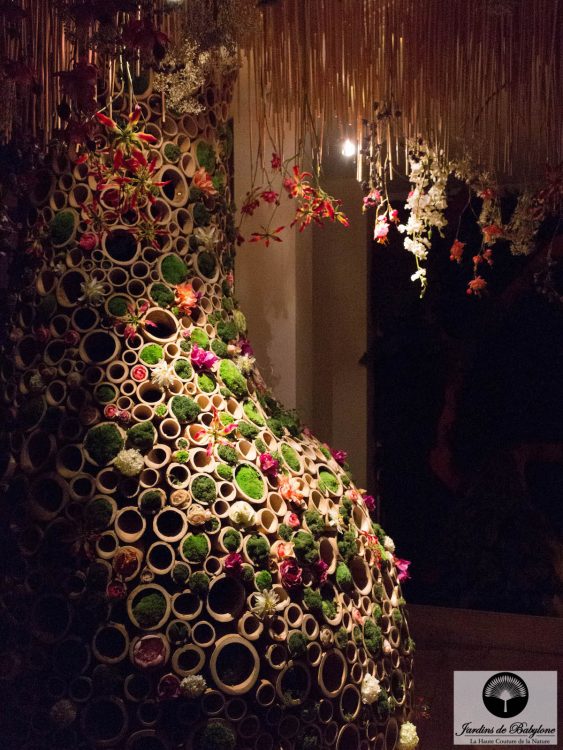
(105, 394)
(219, 348)
(250, 481)
(216, 736)
(195, 548)
(141, 436)
(248, 431)
(315, 522)
(263, 580)
(397, 617)
(204, 490)
(227, 454)
(173, 269)
(253, 414)
(227, 330)
(327, 481)
(379, 532)
(341, 638)
(258, 550)
(373, 637)
(225, 472)
(184, 408)
(202, 217)
(207, 264)
(329, 609)
(233, 378)
(151, 502)
(285, 532)
(103, 443)
(199, 583)
(160, 410)
(151, 354)
(231, 540)
(118, 306)
(247, 576)
(343, 577)
(383, 706)
(98, 513)
(276, 427)
(183, 369)
(290, 457)
(182, 456)
(172, 152)
(62, 226)
(261, 446)
(206, 156)
(313, 599)
(178, 632)
(199, 337)
(162, 295)
(348, 546)
(149, 609)
(306, 548)
(206, 382)
(325, 451)
(297, 645)
(345, 509)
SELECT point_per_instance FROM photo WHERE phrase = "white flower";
(394, 599)
(193, 686)
(129, 462)
(245, 364)
(386, 647)
(242, 514)
(197, 515)
(266, 603)
(92, 292)
(408, 738)
(163, 374)
(207, 237)
(370, 689)
(389, 544)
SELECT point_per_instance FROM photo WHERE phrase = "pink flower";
(149, 651)
(110, 411)
(380, 231)
(276, 161)
(357, 616)
(129, 331)
(139, 372)
(245, 347)
(292, 520)
(369, 502)
(371, 199)
(116, 590)
(72, 338)
(124, 416)
(168, 687)
(339, 456)
(394, 216)
(88, 242)
(352, 495)
(269, 465)
(270, 196)
(403, 568)
(290, 573)
(233, 562)
(201, 359)
(321, 570)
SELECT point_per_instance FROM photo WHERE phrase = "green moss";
(183, 369)
(248, 431)
(306, 548)
(285, 532)
(315, 522)
(178, 632)
(233, 378)
(276, 427)
(346, 479)
(247, 576)
(383, 706)
(325, 451)
(207, 264)
(182, 456)
(162, 295)
(328, 482)
(218, 181)
(216, 736)
(297, 645)
(348, 546)
(261, 446)
(199, 583)
(263, 580)
(329, 609)
(151, 502)
(228, 304)
(253, 414)
(202, 216)
(141, 436)
(206, 382)
(149, 609)
(173, 269)
(105, 394)
(62, 226)
(341, 638)
(397, 617)
(97, 514)
(151, 354)
(345, 509)
(172, 152)
(313, 599)
(373, 637)
(379, 533)
(227, 330)
(206, 156)
(195, 548)
(200, 337)
(225, 472)
(232, 540)
(184, 408)
(103, 443)
(160, 410)
(227, 454)
(343, 577)
(219, 348)
(118, 306)
(204, 490)
(250, 482)
(258, 550)
(290, 457)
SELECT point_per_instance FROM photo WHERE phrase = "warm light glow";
(348, 148)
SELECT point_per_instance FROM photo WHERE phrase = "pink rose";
(290, 573)
(149, 651)
(88, 242)
(139, 372)
(269, 464)
(110, 411)
(233, 562)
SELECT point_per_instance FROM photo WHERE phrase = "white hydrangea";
(193, 686)
(408, 738)
(129, 462)
(242, 514)
(370, 689)
(389, 544)
(163, 374)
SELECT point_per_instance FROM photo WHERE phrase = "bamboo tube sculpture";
(191, 570)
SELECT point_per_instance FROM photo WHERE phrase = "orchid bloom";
(381, 230)
(290, 489)
(202, 359)
(403, 568)
(126, 137)
(269, 465)
(186, 298)
(202, 181)
(298, 186)
(132, 320)
(266, 237)
(216, 432)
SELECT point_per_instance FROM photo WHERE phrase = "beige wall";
(305, 301)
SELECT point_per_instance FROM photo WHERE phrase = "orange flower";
(456, 251)
(202, 181)
(491, 233)
(290, 489)
(186, 298)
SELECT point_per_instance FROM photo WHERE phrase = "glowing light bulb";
(348, 148)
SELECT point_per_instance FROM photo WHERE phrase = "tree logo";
(505, 695)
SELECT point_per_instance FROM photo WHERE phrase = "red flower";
(492, 233)
(168, 687)
(456, 251)
(293, 520)
(233, 562)
(276, 161)
(116, 590)
(270, 196)
(79, 84)
(266, 237)
(149, 651)
(71, 338)
(88, 242)
(477, 286)
(110, 412)
(320, 569)
(290, 573)
(139, 372)
(269, 464)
